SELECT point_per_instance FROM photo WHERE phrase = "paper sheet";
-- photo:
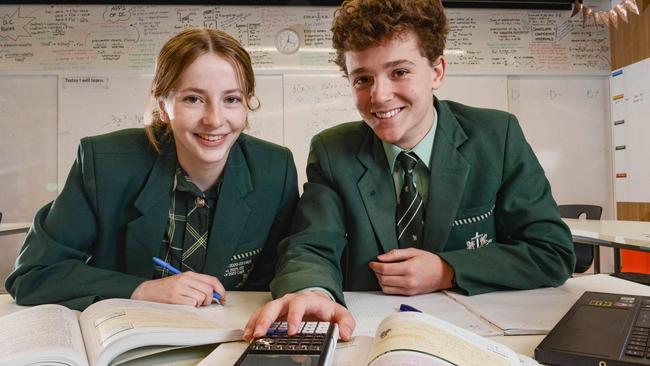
(370, 308)
(520, 312)
(225, 354)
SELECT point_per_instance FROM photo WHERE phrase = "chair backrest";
(592, 212)
(584, 252)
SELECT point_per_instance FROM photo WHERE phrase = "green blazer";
(96, 239)
(486, 186)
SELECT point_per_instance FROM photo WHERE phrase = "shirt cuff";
(329, 294)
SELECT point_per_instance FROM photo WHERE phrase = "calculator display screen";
(256, 359)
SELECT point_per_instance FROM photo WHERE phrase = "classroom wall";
(71, 71)
(630, 42)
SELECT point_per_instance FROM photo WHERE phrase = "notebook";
(600, 329)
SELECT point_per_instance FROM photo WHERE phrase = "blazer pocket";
(473, 228)
(472, 215)
(240, 266)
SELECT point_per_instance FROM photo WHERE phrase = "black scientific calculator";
(313, 345)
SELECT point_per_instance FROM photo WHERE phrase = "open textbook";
(406, 339)
(412, 338)
(107, 332)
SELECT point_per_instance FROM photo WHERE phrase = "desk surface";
(616, 233)
(244, 303)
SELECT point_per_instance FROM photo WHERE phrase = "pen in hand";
(174, 270)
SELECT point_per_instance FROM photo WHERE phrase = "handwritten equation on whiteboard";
(532, 41)
(123, 37)
(312, 104)
(69, 37)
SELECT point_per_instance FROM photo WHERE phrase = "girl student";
(190, 188)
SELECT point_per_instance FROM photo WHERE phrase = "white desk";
(634, 235)
(619, 234)
(244, 303)
(15, 228)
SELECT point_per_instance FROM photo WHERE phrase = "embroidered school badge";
(241, 265)
(477, 241)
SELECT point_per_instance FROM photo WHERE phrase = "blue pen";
(172, 269)
(405, 307)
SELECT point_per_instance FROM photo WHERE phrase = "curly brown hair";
(361, 24)
(177, 54)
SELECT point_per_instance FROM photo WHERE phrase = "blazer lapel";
(378, 191)
(231, 214)
(449, 172)
(144, 234)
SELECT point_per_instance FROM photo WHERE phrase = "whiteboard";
(476, 90)
(28, 106)
(630, 129)
(88, 67)
(525, 42)
(267, 122)
(96, 103)
(566, 121)
(128, 37)
(314, 103)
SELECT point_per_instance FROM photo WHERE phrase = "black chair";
(585, 253)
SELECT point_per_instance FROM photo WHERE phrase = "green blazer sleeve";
(311, 256)
(264, 269)
(52, 265)
(533, 247)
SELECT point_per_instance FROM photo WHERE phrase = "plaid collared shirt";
(189, 222)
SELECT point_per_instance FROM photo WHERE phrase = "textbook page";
(225, 354)
(520, 312)
(352, 353)
(356, 352)
(142, 352)
(46, 334)
(411, 338)
(114, 326)
(370, 308)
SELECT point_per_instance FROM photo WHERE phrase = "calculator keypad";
(309, 339)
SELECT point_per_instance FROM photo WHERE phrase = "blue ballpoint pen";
(172, 269)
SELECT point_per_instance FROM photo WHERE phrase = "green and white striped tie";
(410, 211)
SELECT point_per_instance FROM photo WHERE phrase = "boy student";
(421, 196)
(190, 188)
